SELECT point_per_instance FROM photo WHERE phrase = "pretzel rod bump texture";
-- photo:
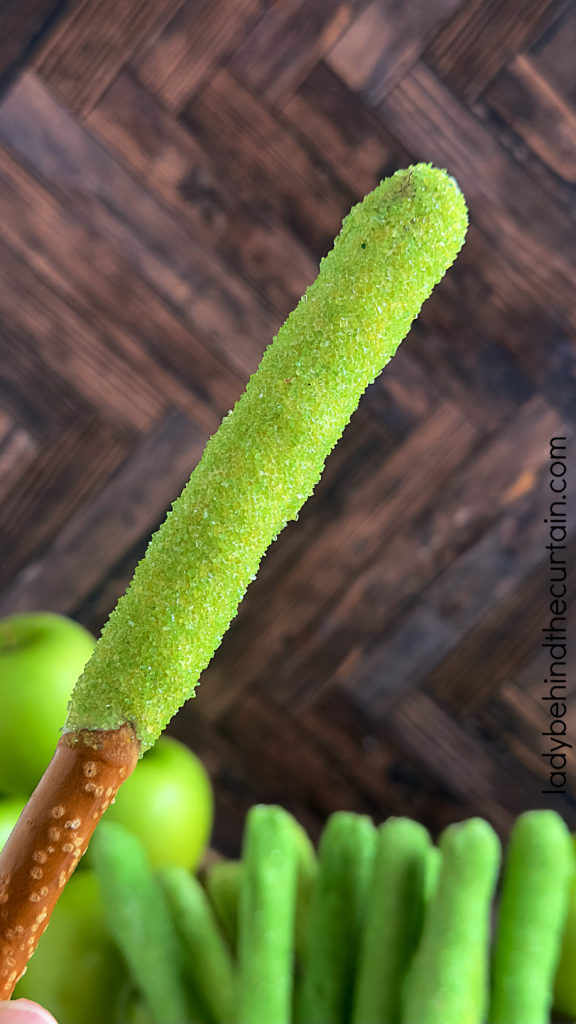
(51, 836)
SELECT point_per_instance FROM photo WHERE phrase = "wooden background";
(170, 173)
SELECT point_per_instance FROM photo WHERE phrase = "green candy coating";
(535, 893)
(207, 956)
(267, 916)
(393, 919)
(139, 920)
(448, 981)
(224, 878)
(338, 906)
(268, 454)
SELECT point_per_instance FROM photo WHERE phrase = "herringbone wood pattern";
(170, 173)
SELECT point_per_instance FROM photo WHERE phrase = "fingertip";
(23, 1011)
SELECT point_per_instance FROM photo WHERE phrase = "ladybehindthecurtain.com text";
(555, 696)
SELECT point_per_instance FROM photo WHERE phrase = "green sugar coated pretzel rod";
(535, 893)
(267, 916)
(140, 922)
(256, 473)
(393, 920)
(337, 908)
(268, 455)
(564, 991)
(208, 957)
(223, 887)
(448, 980)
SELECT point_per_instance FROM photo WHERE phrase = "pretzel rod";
(51, 835)
(254, 476)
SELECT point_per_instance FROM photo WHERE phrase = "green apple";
(565, 985)
(41, 657)
(10, 810)
(167, 802)
(76, 971)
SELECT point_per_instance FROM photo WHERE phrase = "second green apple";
(167, 803)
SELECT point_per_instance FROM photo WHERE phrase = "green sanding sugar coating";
(268, 454)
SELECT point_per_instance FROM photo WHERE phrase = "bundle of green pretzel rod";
(381, 926)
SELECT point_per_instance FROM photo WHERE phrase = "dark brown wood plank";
(496, 477)
(513, 723)
(193, 43)
(490, 654)
(553, 51)
(263, 733)
(520, 718)
(286, 43)
(32, 392)
(157, 245)
(53, 334)
(485, 331)
(17, 450)
(95, 533)
(461, 762)
(531, 675)
(21, 30)
(396, 780)
(342, 132)
(93, 41)
(523, 223)
(471, 367)
(385, 40)
(316, 574)
(165, 156)
(63, 474)
(457, 600)
(482, 37)
(533, 109)
(111, 298)
(266, 163)
(402, 396)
